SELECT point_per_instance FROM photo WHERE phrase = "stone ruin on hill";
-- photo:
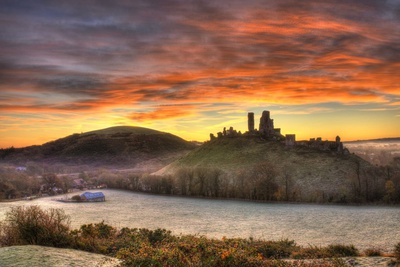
(267, 131)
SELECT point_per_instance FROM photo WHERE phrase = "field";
(148, 246)
(307, 224)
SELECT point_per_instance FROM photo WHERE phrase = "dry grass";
(35, 256)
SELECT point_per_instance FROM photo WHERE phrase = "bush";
(312, 252)
(342, 250)
(34, 226)
(373, 252)
(98, 237)
(76, 198)
(156, 236)
(397, 251)
(332, 251)
(276, 249)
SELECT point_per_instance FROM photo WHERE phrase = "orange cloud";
(183, 59)
(165, 112)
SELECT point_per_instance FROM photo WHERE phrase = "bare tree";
(185, 181)
(262, 181)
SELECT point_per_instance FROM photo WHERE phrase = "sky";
(322, 68)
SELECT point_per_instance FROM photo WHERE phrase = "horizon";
(321, 68)
(306, 139)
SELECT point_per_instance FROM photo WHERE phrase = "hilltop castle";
(267, 131)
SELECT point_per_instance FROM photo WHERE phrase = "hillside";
(309, 174)
(120, 145)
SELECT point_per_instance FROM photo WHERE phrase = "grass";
(124, 129)
(31, 256)
(114, 145)
(311, 175)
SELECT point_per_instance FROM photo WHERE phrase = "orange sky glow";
(323, 68)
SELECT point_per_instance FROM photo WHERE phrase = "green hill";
(111, 146)
(301, 172)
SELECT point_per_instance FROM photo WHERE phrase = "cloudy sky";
(323, 68)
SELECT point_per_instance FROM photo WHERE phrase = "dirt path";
(38, 256)
(352, 261)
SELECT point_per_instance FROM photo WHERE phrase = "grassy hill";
(111, 146)
(309, 174)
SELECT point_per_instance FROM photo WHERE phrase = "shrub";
(373, 252)
(276, 249)
(32, 225)
(76, 198)
(332, 251)
(397, 251)
(157, 235)
(312, 252)
(98, 237)
(342, 250)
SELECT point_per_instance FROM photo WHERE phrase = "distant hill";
(311, 174)
(380, 152)
(380, 140)
(119, 145)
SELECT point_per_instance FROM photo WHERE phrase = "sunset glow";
(323, 68)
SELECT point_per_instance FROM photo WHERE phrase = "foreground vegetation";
(143, 247)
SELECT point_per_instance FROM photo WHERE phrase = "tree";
(390, 191)
(288, 182)
(185, 180)
(50, 178)
(201, 175)
(259, 183)
(7, 190)
(34, 226)
(83, 175)
(215, 182)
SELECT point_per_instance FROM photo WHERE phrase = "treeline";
(14, 184)
(143, 247)
(263, 182)
(257, 184)
(19, 184)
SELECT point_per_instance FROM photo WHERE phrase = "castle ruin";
(250, 121)
(266, 124)
(267, 131)
(290, 140)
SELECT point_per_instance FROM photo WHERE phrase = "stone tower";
(250, 121)
(266, 124)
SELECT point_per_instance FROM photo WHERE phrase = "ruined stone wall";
(290, 140)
